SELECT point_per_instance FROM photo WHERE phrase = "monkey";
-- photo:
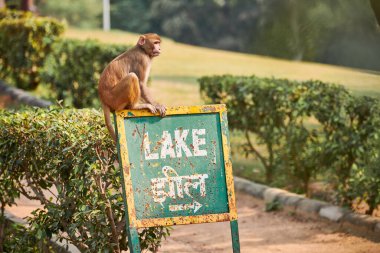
(123, 82)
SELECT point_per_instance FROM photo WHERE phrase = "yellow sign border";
(125, 165)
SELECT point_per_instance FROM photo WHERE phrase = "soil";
(260, 232)
(267, 232)
(6, 101)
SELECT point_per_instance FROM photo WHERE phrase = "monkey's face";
(155, 48)
(151, 44)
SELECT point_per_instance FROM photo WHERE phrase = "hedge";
(299, 130)
(32, 52)
(66, 160)
(74, 67)
(25, 42)
(14, 14)
(17, 238)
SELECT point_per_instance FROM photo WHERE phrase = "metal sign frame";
(133, 223)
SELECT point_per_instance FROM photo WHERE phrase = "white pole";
(106, 15)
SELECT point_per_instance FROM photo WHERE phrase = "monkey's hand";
(161, 109)
(151, 108)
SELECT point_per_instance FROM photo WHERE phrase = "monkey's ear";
(141, 40)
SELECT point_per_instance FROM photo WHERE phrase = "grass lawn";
(175, 72)
(180, 63)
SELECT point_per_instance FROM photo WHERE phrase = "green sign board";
(176, 169)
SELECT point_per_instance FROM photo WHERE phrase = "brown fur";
(123, 82)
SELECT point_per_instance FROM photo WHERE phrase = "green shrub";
(14, 14)
(298, 130)
(353, 140)
(74, 68)
(273, 111)
(364, 183)
(25, 41)
(83, 13)
(18, 238)
(65, 159)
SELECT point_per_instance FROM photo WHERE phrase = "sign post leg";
(235, 236)
(133, 235)
(133, 240)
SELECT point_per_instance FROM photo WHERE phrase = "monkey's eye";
(157, 42)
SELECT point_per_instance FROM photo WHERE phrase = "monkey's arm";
(146, 95)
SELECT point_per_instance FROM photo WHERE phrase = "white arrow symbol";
(181, 207)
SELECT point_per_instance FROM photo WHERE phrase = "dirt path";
(263, 232)
(260, 232)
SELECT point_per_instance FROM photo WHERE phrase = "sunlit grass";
(173, 93)
(185, 63)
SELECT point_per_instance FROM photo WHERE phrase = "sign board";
(176, 169)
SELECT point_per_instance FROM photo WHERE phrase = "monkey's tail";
(107, 117)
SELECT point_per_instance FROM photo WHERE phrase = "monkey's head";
(150, 43)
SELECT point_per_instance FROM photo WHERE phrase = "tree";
(78, 13)
(219, 24)
(28, 5)
(375, 4)
(25, 5)
(340, 32)
(131, 15)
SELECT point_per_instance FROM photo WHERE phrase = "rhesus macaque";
(122, 84)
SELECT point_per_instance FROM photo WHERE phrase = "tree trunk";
(306, 181)
(270, 168)
(269, 175)
(28, 5)
(370, 210)
(375, 4)
(2, 4)
(295, 31)
(2, 227)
